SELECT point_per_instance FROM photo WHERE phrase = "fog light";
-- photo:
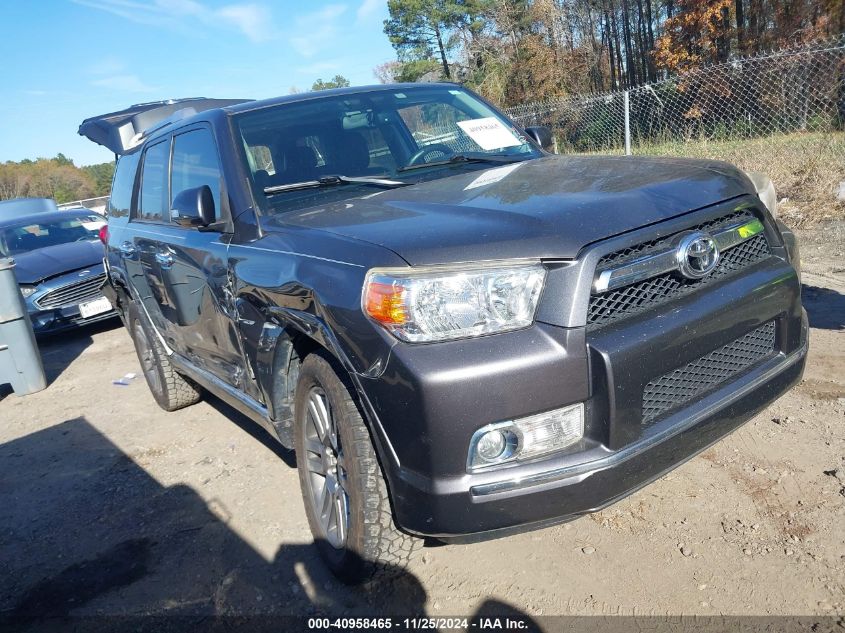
(526, 438)
(491, 445)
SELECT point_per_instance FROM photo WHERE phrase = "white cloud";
(367, 8)
(124, 83)
(252, 20)
(321, 28)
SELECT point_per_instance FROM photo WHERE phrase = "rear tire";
(170, 389)
(342, 484)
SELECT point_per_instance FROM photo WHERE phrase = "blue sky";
(65, 60)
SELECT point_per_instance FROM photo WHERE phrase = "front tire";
(170, 389)
(342, 484)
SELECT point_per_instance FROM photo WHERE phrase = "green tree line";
(57, 178)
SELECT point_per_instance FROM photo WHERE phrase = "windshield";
(408, 134)
(30, 236)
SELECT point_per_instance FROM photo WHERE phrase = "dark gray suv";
(460, 334)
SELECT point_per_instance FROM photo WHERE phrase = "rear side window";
(120, 199)
(153, 205)
(195, 164)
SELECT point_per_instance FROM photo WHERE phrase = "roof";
(123, 131)
(333, 92)
(38, 218)
(19, 207)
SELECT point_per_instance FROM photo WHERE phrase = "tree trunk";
(740, 26)
(442, 49)
(630, 67)
(620, 63)
(650, 21)
(642, 42)
(614, 82)
(754, 26)
(724, 40)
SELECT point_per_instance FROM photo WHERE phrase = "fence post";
(627, 124)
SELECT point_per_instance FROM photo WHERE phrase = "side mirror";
(193, 207)
(542, 136)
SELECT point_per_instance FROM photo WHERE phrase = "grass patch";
(807, 169)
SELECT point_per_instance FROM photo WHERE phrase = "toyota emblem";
(697, 255)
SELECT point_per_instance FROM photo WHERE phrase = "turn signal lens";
(385, 302)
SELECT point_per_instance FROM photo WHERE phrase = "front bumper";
(430, 399)
(62, 319)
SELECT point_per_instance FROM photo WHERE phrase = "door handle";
(165, 260)
(126, 249)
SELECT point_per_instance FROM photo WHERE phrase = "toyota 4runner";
(460, 334)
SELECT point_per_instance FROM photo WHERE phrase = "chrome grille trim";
(665, 260)
(73, 293)
(642, 286)
(633, 299)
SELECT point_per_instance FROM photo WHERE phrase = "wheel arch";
(295, 335)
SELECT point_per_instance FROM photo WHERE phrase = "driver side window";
(195, 163)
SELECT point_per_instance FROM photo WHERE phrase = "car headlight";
(765, 190)
(440, 303)
(27, 290)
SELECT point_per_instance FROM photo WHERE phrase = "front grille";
(644, 248)
(678, 387)
(624, 302)
(73, 293)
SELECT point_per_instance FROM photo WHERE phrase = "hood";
(545, 208)
(35, 266)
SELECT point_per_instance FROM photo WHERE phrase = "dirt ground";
(109, 505)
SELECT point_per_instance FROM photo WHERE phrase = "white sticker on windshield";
(489, 176)
(92, 226)
(489, 133)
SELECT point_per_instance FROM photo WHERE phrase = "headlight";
(765, 190)
(27, 290)
(440, 303)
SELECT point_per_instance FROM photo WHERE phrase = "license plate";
(95, 307)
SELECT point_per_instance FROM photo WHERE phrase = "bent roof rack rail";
(124, 130)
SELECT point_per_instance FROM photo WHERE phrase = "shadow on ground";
(58, 351)
(249, 427)
(87, 533)
(825, 307)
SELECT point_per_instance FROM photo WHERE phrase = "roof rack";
(123, 131)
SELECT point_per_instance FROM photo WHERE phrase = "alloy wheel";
(326, 467)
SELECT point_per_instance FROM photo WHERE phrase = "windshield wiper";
(330, 181)
(464, 158)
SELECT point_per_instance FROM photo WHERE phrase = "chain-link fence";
(782, 113)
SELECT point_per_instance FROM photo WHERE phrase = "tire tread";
(385, 551)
